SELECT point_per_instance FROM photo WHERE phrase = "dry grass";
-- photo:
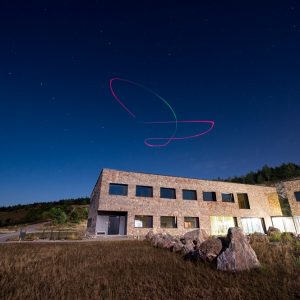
(135, 270)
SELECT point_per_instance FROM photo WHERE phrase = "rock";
(188, 247)
(272, 230)
(239, 255)
(157, 240)
(149, 235)
(210, 249)
(197, 235)
(177, 247)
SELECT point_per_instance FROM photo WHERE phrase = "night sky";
(234, 62)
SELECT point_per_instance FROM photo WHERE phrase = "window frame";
(165, 189)
(297, 196)
(239, 201)
(214, 198)
(232, 197)
(173, 217)
(197, 222)
(147, 216)
(143, 186)
(188, 199)
(111, 184)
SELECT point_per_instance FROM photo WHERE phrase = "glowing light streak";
(173, 137)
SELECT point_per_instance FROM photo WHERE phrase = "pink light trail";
(147, 141)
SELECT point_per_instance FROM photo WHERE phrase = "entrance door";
(113, 225)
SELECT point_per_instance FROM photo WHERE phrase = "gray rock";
(149, 235)
(197, 235)
(177, 247)
(188, 247)
(210, 249)
(239, 255)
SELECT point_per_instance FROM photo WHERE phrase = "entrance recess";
(113, 225)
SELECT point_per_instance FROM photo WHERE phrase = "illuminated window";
(209, 196)
(144, 191)
(168, 222)
(189, 195)
(167, 193)
(243, 201)
(227, 197)
(143, 221)
(251, 225)
(118, 189)
(221, 224)
(191, 222)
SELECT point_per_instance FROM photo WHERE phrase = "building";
(130, 203)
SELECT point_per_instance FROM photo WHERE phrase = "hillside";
(269, 175)
(66, 210)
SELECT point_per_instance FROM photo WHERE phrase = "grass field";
(135, 270)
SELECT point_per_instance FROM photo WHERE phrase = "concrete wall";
(263, 200)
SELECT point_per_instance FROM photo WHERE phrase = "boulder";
(272, 230)
(149, 235)
(239, 255)
(177, 246)
(210, 249)
(157, 240)
(188, 247)
(197, 235)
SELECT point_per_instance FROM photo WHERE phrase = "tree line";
(269, 174)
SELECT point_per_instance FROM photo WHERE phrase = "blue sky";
(237, 63)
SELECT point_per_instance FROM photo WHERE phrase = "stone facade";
(287, 189)
(263, 201)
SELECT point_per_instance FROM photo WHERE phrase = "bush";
(275, 237)
(57, 215)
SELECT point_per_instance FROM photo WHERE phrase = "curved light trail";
(173, 137)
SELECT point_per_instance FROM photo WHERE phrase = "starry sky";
(234, 62)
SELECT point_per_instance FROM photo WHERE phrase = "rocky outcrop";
(239, 255)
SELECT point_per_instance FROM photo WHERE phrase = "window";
(143, 221)
(167, 193)
(191, 222)
(227, 197)
(168, 222)
(285, 224)
(221, 224)
(251, 225)
(118, 189)
(243, 201)
(144, 191)
(297, 196)
(189, 195)
(209, 196)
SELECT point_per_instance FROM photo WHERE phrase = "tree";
(57, 215)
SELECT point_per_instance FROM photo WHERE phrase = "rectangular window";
(189, 195)
(221, 224)
(168, 222)
(191, 222)
(227, 197)
(251, 225)
(285, 224)
(209, 196)
(167, 193)
(297, 196)
(143, 221)
(144, 191)
(243, 201)
(118, 189)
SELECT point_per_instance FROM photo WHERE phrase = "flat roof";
(184, 177)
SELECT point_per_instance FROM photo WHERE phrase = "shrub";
(57, 215)
(275, 237)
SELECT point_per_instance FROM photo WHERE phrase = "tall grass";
(135, 270)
